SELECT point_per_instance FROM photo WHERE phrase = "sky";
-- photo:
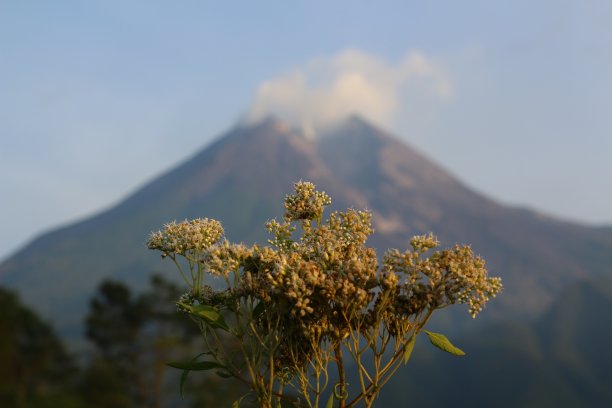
(99, 97)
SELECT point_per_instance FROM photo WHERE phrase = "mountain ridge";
(241, 178)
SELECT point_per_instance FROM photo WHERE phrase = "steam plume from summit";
(327, 90)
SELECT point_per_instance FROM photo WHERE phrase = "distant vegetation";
(560, 360)
(133, 338)
(313, 300)
(35, 369)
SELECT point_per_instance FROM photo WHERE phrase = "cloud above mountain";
(328, 89)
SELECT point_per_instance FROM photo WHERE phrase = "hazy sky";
(98, 97)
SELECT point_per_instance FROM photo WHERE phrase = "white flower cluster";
(441, 279)
(181, 238)
(306, 203)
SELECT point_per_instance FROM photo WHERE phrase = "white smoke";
(327, 90)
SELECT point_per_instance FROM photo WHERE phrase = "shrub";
(316, 296)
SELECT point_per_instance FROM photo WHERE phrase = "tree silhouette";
(35, 368)
(135, 336)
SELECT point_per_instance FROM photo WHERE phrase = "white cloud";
(326, 90)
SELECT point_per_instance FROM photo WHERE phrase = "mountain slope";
(241, 180)
(562, 359)
(536, 255)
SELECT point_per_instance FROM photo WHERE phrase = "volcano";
(241, 179)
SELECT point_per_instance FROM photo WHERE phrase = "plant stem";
(341, 375)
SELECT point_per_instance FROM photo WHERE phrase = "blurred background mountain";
(543, 342)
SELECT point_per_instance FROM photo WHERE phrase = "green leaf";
(330, 401)
(182, 384)
(236, 403)
(195, 365)
(186, 373)
(408, 348)
(441, 342)
(223, 374)
(210, 314)
(259, 309)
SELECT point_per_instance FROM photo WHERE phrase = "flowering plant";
(316, 296)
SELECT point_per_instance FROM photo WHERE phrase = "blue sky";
(98, 97)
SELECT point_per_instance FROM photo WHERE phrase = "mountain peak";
(269, 122)
(241, 180)
(276, 124)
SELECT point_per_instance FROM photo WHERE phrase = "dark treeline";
(133, 337)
